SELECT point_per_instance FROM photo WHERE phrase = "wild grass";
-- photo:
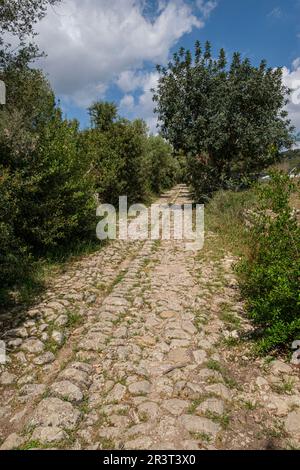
(225, 218)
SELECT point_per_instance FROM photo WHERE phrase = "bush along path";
(138, 347)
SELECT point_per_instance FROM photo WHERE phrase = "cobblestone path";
(136, 347)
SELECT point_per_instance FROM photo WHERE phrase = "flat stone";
(79, 377)
(280, 406)
(179, 356)
(91, 299)
(190, 445)
(56, 306)
(140, 388)
(189, 327)
(117, 393)
(167, 314)
(48, 435)
(117, 301)
(14, 343)
(43, 327)
(142, 442)
(20, 357)
(58, 337)
(292, 423)
(27, 379)
(93, 342)
(33, 346)
(13, 442)
(280, 367)
(7, 378)
(177, 334)
(141, 429)
(62, 320)
(175, 406)
(146, 340)
(200, 356)
(195, 424)
(67, 391)
(18, 416)
(55, 412)
(192, 390)
(262, 383)
(45, 358)
(82, 366)
(180, 343)
(18, 333)
(206, 344)
(150, 409)
(32, 390)
(219, 389)
(212, 405)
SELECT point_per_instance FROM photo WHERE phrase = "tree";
(103, 114)
(55, 201)
(229, 120)
(130, 140)
(164, 167)
(117, 151)
(19, 16)
(17, 19)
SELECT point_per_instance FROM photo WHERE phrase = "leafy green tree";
(164, 167)
(14, 256)
(103, 114)
(57, 192)
(116, 151)
(17, 19)
(228, 119)
(130, 139)
(19, 16)
(104, 163)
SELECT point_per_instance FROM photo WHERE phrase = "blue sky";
(108, 49)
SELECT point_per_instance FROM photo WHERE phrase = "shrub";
(164, 167)
(129, 140)
(56, 203)
(13, 254)
(270, 272)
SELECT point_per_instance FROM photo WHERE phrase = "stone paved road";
(135, 348)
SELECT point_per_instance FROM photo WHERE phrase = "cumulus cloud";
(127, 102)
(130, 80)
(206, 7)
(291, 78)
(90, 42)
(143, 106)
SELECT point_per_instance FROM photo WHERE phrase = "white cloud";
(91, 42)
(206, 7)
(143, 106)
(276, 13)
(296, 63)
(291, 78)
(130, 80)
(127, 103)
